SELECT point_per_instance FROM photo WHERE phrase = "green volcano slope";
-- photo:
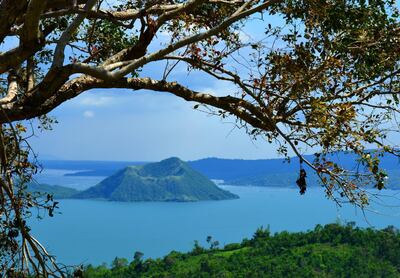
(168, 180)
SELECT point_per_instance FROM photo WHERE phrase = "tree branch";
(58, 59)
(195, 38)
(12, 90)
(30, 31)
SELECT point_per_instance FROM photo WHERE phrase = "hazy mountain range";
(263, 172)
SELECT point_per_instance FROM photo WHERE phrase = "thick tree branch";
(10, 10)
(15, 57)
(236, 106)
(31, 31)
(12, 89)
(58, 59)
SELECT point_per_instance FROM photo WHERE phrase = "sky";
(145, 126)
(148, 126)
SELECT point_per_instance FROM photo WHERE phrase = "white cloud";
(88, 114)
(165, 33)
(96, 101)
(219, 88)
(243, 37)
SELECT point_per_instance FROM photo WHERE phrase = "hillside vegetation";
(58, 191)
(327, 251)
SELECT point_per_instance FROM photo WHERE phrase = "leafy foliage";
(104, 38)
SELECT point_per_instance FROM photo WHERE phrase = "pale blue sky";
(141, 126)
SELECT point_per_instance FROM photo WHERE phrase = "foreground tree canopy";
(321, 75)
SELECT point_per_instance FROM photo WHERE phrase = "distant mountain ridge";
(235, 169)
(89, 167)
(262, 172)
(214, 168)
(168, 180)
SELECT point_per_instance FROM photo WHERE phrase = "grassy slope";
(168, 180)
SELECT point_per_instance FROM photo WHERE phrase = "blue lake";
(94, 232)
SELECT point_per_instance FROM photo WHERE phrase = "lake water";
(97, 231)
